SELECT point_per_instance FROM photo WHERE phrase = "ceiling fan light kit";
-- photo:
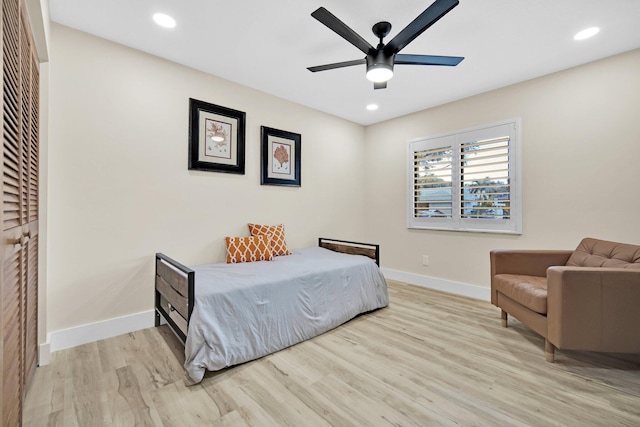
(381, 59)
(380, 67)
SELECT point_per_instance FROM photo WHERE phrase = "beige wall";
(581, 147)
(119, 188)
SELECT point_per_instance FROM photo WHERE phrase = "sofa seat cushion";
(530, 291)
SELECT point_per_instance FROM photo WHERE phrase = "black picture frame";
(280, 157)
(216, 138)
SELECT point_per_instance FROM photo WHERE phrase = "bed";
(227, 314)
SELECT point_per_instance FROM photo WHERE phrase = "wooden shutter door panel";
(34, 140)
(12, 377)
(12, 261)
(29, 197)
(30, 174)
(25, 120)
(11, 115)
(19, 215)
(11, 186)
(31, 310)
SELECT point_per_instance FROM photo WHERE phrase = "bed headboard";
(353, 248)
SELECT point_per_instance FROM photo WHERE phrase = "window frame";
(455, 139)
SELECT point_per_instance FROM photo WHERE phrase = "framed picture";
(280, 157)
(216, 138)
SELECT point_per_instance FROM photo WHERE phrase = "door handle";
(21, 241)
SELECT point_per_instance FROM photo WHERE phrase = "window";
(466, 181)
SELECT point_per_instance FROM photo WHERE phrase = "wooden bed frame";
(174, 287)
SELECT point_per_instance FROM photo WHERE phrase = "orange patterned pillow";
(248, 249)
(278, 243)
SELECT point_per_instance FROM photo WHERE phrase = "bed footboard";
(174, 294)
(353, 248)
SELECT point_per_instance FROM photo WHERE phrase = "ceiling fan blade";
(337, 65)
(381, 85)
(340, 28)
(426, 19)
(428, 60)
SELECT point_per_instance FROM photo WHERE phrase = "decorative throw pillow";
(249, 249)
(278, 243)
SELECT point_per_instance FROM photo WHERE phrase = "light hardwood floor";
(430, 358)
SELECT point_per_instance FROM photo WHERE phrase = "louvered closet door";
(29, 70)
(20, 209)
(31, 173)
(13, 262)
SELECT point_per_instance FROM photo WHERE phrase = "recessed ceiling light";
(164, 20)
(372, 107)
(586, 33)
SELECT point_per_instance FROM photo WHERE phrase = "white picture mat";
(276, 169)
(218, 152)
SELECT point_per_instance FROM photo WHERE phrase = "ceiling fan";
(381, 59)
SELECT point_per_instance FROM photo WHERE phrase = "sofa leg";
(504, 318)
(549, 350)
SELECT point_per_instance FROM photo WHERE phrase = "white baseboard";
(457, 288)
(83, 334)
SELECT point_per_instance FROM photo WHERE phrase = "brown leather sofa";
(586, 299)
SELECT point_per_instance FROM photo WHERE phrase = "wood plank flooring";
(429, 359)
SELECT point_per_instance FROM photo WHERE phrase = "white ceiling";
(267, 45)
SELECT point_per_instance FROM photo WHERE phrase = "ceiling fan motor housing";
(379, 66)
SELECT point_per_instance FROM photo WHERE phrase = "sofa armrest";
(525, 262)
(593, 308)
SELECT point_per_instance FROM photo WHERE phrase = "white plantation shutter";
(466, 181)
(432, 182)
(484, 179)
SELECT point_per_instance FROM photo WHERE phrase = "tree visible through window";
(468, 180)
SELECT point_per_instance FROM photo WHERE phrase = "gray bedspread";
(246, 311)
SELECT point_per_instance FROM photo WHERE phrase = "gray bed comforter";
(246, 311)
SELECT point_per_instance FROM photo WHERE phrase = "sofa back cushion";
(601, 253)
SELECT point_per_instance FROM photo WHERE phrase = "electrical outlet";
(425, 260)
